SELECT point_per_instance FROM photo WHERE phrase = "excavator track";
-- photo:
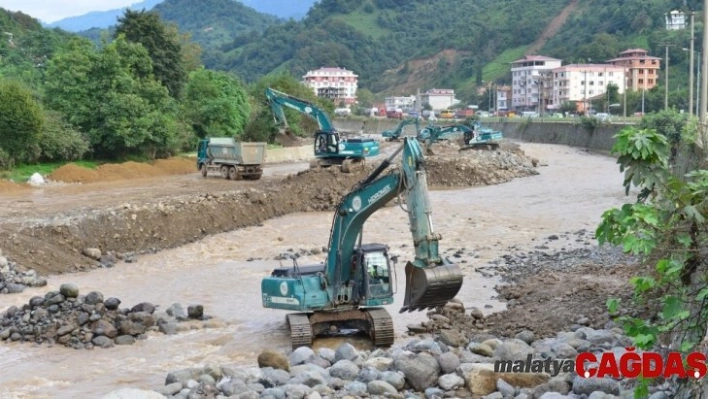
(300, 330)
(381, 327)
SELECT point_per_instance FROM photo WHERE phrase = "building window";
(651, 81)
(641, 81)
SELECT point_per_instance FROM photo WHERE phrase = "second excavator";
(349, 290)
(395, 134)
(331, 148)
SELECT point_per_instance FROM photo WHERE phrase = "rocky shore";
(87, 321)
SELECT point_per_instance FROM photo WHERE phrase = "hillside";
(99, 19)
(25, 47)
(285, 9)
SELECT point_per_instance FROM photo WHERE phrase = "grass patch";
(364, 23)
(501, 67)
(22, 173)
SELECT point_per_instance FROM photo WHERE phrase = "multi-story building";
(337, 84)
(580, 83)
(528, 76)
(642, 69)
(675, 20)
(399, 102)
(503, 98)
(439, 99)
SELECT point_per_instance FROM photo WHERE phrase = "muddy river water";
(570, 194)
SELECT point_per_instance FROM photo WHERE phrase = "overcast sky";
(54, 10)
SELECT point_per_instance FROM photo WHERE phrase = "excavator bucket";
(431, 287)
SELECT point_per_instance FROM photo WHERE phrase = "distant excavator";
(330, 147)
(395, 134)
(474, 137)
(348, 290)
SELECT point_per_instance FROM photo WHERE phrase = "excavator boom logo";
(380, 194)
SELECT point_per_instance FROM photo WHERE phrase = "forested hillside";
(456, 44)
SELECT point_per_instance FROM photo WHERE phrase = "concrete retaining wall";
(290, 154)
(566, 133)
(570, 133)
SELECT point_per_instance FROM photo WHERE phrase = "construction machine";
(395, 134)
(482, 138)
(331, 148)
(432, 134)
(349, 290)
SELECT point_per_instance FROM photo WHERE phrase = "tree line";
(142, 93)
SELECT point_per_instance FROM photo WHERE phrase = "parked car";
(603, 116)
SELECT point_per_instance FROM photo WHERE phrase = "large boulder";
(481, 379)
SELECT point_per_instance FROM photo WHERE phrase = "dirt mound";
(451, 168)
(72, 173)
(7, 186)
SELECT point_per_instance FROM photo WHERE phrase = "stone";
(381, 388)
(505, 388)
(177, 311)
(93, 298)
(93, 253)
(476, 313)
(513, 349)
(112, 303)
(453, 338)
(450, 382)
(589, 385)
(301, 355)
(195, 311)
(526, 336)
(130, 393)
(102, 341)
(421, 370)
(146, 307)
(346, 351)
(69, 290)
(480, 349)
(448, 362)
(345, 370)
(481, 379)
(274, 359)
(125, 340)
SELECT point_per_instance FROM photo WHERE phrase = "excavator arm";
(431, 281)
(277, 100)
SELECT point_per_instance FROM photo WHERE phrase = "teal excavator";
(349, 290)
(395, 134)
(330, 147)
(474, 137)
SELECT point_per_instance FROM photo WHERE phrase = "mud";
(7, 186)
(54, 245)
(72, 173)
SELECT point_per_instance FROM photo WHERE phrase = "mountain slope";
(213, 22)
(397, 45)
(284, 9)
(99, 19)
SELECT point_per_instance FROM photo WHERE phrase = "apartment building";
(503, 98)
(337, 84)
(393, 103)
(675, 20)
(530, 81)
(581, 83)
(439, 99)
(642, 70)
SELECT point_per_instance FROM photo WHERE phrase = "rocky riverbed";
(560, 314)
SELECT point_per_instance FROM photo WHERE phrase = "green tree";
(112, 96)
(20, 124)
(163, 46)
(261, 126)
(666, 229)
(215, 104)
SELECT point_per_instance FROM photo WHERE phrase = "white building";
(528, 75)
(439, 99)
(392, 103)
(337, 84)
(503, 98)
(675, 20)
(580, 83)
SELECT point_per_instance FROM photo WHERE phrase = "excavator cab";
(326, 143)
(378, 279)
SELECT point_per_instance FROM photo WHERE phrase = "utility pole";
(666, 88)
(690, 71)
(704, 68)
